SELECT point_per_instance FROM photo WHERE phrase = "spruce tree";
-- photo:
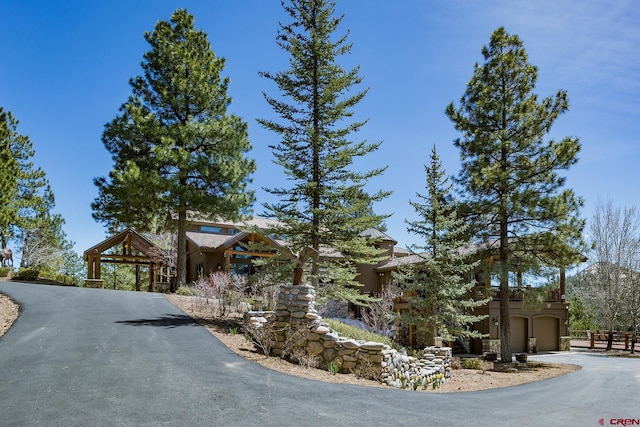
(326, 206)
(11, 144)
(510, 174)
(176, 149)
(440, 282)
(25, 192)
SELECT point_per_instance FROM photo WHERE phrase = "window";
(210, 229)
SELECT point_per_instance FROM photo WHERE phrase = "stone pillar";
(491, 346)
(532, 345)
(565, 343)
(295, 305)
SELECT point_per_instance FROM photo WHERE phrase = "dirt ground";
(8, 313)
(229, 332)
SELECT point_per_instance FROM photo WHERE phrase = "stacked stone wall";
(295, 312)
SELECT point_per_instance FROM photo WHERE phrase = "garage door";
(545, 329)
(518, 334)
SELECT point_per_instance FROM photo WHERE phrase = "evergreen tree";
(326, 207)
(509, 172)
(25, 195)
(440, 284)
(176, 149)
(11, 145)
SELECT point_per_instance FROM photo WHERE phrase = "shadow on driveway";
(167, 321)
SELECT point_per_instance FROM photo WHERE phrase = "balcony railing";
(515, 293)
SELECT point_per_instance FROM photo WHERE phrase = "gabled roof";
(376, 234)
(217, 242)
(137, 240)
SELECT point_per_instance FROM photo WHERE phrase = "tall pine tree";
(509, 172)
(440, 283)
(326, 207)
(175, 147)
(27, 202)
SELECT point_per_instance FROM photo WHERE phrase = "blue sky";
(66, 66)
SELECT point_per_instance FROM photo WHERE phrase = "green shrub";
(185, 291)
(4, 271)
(27, 274)
(359, 334)
(472, 363)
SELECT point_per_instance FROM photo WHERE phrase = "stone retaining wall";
(296, 323)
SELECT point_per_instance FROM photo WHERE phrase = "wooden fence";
(599, 337)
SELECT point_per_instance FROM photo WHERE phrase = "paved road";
(91, 357)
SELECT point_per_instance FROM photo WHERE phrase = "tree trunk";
(181, 279)
(610, 340)
(505, 324)
(505, 321)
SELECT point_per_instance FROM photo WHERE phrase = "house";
(220, 245)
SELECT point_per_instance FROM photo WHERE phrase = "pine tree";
(326, 207)
(509, 172)
(440, 284)
(176, 149)
(11, 144)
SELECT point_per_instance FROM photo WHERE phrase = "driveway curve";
(78, 357)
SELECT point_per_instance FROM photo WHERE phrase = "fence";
(599, 338)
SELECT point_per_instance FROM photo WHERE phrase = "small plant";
(263, 335)
(233, 331)
(248, 337)
(333, 367)
(403, 383)
(185, 291)
(415, 383)
(4, 271)
(472, 363)
(367, 369)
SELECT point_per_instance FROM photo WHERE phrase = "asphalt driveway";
(80, 357)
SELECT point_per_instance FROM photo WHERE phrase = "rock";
(314, 348)
(321, 330)
(370, 345)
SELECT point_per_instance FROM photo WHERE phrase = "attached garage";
(546, 330)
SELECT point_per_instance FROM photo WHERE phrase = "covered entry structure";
(132, 248)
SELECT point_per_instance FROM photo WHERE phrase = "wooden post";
(90, 266)
(96, 260)
(626, 341)
(150, 288)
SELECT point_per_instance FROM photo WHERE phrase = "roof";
(376, 234)
(138, 241)
(394, 263)
(211, 241)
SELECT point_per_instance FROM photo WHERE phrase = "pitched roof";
(138, 241)
(374, 233)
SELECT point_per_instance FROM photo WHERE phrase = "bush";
(27, 274)
(359, 334)
(4, 271)
(472, 363)
(185, 291)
